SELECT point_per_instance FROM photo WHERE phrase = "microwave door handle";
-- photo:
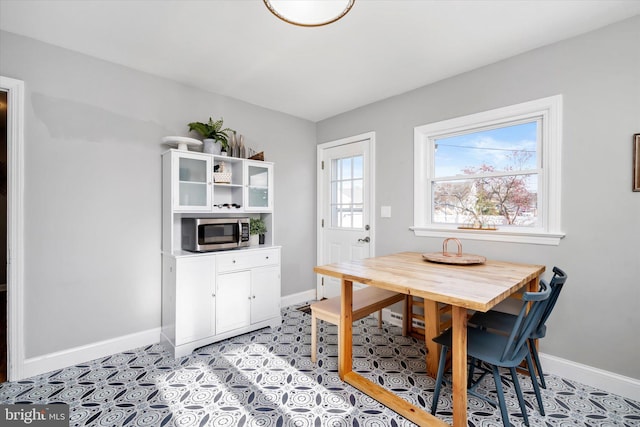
(239, 232)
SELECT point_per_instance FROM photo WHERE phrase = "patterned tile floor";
(266, 378)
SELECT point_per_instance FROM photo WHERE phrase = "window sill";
(532, 237)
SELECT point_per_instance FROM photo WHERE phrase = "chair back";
(557, 282)
(533, 308)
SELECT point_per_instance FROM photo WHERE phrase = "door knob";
(365, 240)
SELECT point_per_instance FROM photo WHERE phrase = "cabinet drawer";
(243, 261)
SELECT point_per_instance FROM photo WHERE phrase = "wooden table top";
(477, 287)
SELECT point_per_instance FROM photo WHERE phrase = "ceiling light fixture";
(309, 13)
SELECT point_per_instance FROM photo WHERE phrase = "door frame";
(367, 136)
(15, 226)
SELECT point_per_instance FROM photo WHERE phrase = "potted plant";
(257, 228)
(212, 133)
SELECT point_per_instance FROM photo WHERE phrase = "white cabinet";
(191, 185)
(259, 186)
(188, 299)
(265, 302)
(195, 299)
(228, 186)
(254, 277)
(208, 297)
(192, 174)
(233, 291)
(213, 296)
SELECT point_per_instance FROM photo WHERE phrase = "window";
(494, 175)
(347, 192)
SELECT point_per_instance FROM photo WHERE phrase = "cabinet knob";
(234, 261)
(249, 296)
(254, 297)
(267, 257)
(213, 295)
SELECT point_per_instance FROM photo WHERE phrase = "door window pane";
(347, 192)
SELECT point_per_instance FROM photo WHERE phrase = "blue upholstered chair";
(500, 351)
(499, 321)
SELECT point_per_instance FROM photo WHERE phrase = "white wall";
(93, 189)
(596, 320)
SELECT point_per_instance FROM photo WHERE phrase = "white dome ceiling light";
(309, 13)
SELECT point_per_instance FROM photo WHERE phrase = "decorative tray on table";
(459, 258)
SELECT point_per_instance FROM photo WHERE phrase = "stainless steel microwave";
(213, 234)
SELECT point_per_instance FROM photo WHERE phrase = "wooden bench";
(365, 302)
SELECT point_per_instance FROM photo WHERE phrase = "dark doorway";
(3, 236)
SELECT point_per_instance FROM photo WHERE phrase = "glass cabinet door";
(194, 182)
(259, 181)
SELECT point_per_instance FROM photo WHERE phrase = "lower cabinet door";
(265, 293)
(194, 299)
(233, 296)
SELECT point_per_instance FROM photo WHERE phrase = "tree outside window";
(487, 178)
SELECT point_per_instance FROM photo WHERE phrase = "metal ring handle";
(444, 247)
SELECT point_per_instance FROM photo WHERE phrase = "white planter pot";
(211, 146)
(254, 240)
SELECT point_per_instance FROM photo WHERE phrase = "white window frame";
(549, 112)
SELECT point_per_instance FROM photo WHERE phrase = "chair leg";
(406, 318)
(439, 379)
(380, 319)
(314, 337)
(536, 360)
(472, 368)
(516, 385)
(500, 393)
(534, 381)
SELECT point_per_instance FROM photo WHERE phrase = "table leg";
(345, 329)
(459, 365)
(431, 330)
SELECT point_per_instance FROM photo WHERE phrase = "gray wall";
(92, 172)
(93, 189)
(597, 319)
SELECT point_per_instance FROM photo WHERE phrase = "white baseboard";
(298, 298)
(594, 377)
(392, 317)
(73, 356)
(584, 374)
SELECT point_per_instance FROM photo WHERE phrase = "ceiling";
(239, 49)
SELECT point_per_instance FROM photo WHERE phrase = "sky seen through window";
(493, 147)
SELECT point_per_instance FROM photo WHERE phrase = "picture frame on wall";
(636, 162)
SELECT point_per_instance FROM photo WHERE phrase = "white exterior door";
(345, 198)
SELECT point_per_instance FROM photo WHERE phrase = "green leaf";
(212, 130)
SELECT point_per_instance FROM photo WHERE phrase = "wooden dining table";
(477, 287)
